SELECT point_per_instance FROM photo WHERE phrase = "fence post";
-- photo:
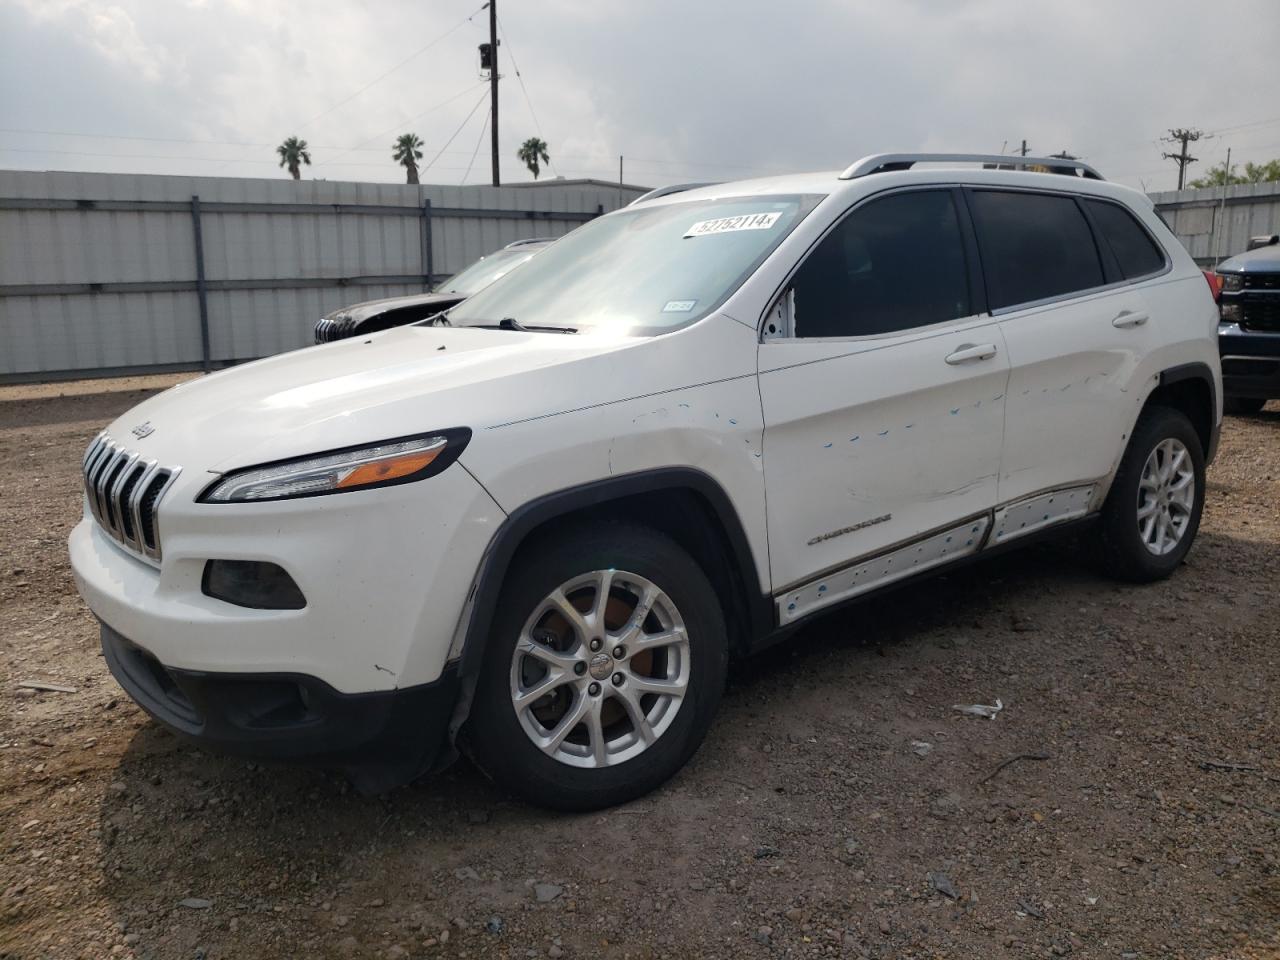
(428, 264)
(201, 294)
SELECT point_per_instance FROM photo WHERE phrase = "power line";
(476, 152)
(482, 99)
(525, 90)
(206, 143)
(404, 123)
(382, 76)
(387, 73)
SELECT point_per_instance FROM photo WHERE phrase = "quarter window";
(1134, 249)
(892, 264)
(1034, 246)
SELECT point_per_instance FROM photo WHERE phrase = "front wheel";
(1153, 510)
(603, 671)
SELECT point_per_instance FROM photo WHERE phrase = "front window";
(486, 270)
(642, 270)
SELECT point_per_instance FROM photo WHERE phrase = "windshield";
(642, 270)
(486, 270)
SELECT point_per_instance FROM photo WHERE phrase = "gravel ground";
(840, 806)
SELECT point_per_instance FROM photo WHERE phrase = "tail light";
(1215, 284)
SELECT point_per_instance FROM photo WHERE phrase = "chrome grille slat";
(135, 503)
(124, 490)
(105, 456)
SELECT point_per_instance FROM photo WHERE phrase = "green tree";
(293, 153)
(406, 151)
(533, 153)
(1268, 172)
(1253, 173)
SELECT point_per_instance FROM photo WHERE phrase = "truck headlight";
(1232, 282)
(383, 464)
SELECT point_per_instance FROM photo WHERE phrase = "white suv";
(539, 526)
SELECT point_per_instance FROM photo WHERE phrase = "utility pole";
(1182, 159)
(493, 89)
(1023, 151)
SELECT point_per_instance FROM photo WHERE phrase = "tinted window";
(1132, 245)
(892, 264)
(1034, 246)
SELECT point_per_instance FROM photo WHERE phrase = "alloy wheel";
(600, 669)
(1166, 496)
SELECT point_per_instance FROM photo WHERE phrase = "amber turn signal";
(384, 470)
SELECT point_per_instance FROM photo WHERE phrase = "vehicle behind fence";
(104, 274)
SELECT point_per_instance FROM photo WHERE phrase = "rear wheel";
(1242, 405)
(1153, 510)
(605, 666)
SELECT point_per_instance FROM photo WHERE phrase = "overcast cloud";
(718, 89)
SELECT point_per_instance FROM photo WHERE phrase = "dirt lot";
(837, 779)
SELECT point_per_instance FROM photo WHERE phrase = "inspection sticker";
(679, 306)
(747, 221)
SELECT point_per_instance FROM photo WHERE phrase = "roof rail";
(667, 191)
(888, 162)
(526, 241)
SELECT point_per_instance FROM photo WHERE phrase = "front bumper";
(380, 739)
(384, 573)
(1250, 362)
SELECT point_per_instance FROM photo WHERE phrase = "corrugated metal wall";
(1212, 231)
(107, 281)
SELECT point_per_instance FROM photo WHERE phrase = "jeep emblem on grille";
(142, 430)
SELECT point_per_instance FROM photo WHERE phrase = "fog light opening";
(256, 584)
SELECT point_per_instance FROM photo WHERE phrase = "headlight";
(354, 468)
(1232, 282)
(1229, 313)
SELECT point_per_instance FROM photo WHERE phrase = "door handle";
(969, 351)
(1128, 318)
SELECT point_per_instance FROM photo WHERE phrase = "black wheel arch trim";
(525, 519)
(1199, 370)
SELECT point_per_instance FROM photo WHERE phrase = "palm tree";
(531, 152)
(405, 151)
(293, 153)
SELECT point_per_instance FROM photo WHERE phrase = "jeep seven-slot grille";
(123, 489)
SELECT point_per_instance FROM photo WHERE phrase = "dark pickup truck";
(1249, 327)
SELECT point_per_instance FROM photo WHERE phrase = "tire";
(1242, 406)
(1124, 547)
(576, 775)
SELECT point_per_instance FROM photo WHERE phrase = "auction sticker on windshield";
(746, 221)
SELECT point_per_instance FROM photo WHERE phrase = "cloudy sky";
(684, 89)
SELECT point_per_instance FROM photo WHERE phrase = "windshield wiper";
(511, 323)
(439, 320)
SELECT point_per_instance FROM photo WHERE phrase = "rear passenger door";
(1075, 330)
(882, 383)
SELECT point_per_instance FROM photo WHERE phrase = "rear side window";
(1129, 241)
(892, 264)
(1034, 246)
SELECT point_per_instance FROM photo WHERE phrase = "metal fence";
(1215, 223)
(104, 274)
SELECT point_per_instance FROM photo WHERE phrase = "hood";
(367, 308)
(404, 381)
(1262, 260)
